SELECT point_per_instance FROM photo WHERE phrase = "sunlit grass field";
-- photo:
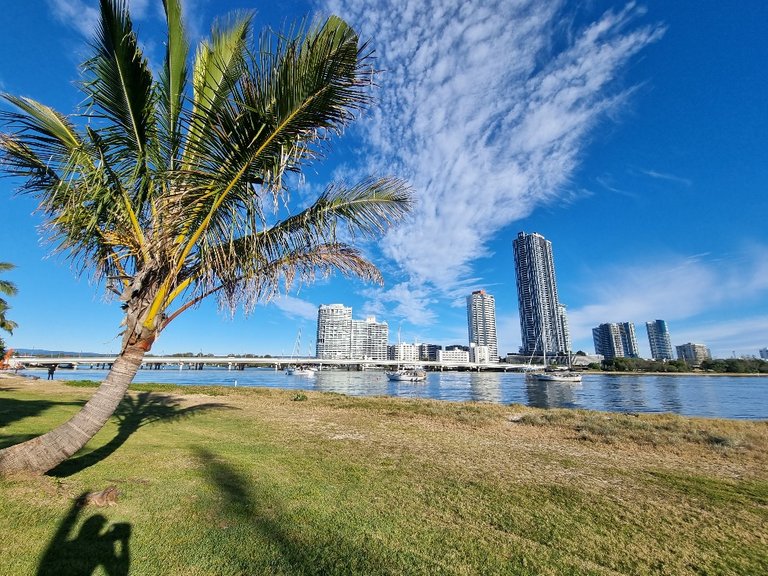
(237, 481)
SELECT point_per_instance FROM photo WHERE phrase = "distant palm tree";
(169, 195)
(9, 289)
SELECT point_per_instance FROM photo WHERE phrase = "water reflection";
(551, 394)
(624, 393)
(669, 395)
(721, 396)
(485, 387)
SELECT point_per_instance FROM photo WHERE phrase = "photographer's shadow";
(96, 544)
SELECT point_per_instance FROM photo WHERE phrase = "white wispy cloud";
(78, 14)
(296, 307)
(681, 290)
(668, 177)
(486, 107)
(83, 16)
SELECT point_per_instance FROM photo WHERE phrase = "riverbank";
(265, 481)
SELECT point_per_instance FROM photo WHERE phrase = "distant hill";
(40, 352)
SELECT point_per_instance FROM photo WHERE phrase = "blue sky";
(631, 135)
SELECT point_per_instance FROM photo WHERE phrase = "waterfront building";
(659, 340)
(428, 352)
(370, 339)
(481, 354)
(334, 332)
(453, 354)
(542, 317)
(401, 352)
(764, 353)
(481, 322)
(693, 354)
(340, 337)
(616, 340)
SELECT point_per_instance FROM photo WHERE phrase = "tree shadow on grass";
(96, 544)
(13, 409)
(131, 414)
(301, 551)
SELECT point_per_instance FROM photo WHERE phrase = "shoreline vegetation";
(216, 480)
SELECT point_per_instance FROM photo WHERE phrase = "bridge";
(240, 362)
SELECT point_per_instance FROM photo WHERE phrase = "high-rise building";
(693, 354)
(481, 322)
(658, 338)
(764, 353)
(616, 340)
(543, 323)
(376, 339)
(340, 337)
(334, 331)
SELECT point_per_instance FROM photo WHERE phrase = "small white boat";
(301, 370)
(407, 375)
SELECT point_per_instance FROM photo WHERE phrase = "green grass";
(256, 481)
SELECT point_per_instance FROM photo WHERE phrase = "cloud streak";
(486, 107)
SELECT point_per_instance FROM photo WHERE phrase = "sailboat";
(292, 370)
(554, 374)
(406, 373)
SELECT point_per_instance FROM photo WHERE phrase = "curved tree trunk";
(40, 454)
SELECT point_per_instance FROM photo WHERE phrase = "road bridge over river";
(240, 362)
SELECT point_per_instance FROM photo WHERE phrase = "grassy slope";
(263, 484)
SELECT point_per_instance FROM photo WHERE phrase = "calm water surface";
(709, 396)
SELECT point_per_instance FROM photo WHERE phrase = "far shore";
(618, 373)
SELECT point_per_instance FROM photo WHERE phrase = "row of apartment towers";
(543, 319)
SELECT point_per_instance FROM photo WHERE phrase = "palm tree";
(9, 289)
(169, 193)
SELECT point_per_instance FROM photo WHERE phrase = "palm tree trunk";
(45, 452)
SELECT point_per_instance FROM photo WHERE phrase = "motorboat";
(407, 375)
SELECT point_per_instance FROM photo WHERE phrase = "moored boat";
(407, 375)
(301, 370)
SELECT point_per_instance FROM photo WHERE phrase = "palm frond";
(218, 66)
(173, 81)
(120, 83)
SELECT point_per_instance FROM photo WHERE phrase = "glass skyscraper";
(481, 322)
(658, 338)
(543, 323)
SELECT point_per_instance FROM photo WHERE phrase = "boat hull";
(407, 376)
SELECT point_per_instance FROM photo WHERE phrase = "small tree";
(9, 289)
(168, 192)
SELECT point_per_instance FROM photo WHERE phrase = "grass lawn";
(260, 481)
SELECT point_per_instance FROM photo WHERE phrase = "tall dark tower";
(543, 323)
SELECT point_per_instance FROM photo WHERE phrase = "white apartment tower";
(334, 331)
(542, 317)
(658, 338)
(340, 337)
(481, 322)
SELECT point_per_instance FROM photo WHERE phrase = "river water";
(694, 395)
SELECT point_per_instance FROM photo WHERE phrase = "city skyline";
(573, 120)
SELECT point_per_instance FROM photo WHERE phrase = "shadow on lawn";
(133, 413)
(96, 544)
(12, 410)
(302, 551)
